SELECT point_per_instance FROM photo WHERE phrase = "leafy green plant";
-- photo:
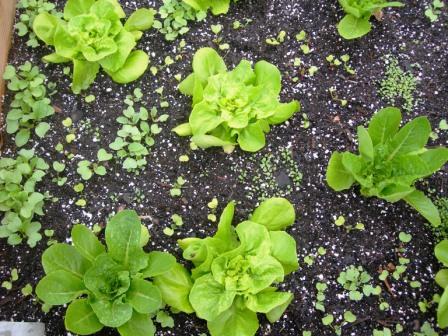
(175, 15)
(91, 35)
(216, 6)
(136, 135)
(30, 105)
(232, 107)
(441, 252)
(110, 287)
(19, 201)
(390, 161)
(356, 22)
(236, 270)
(29, 9)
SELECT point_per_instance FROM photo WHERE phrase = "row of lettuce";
(90, 35)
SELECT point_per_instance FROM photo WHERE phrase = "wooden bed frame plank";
(7, 13)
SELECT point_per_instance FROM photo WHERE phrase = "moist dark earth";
(405, 33)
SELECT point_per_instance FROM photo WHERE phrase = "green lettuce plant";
(237, 269)
(356, 22)
(91, 35)
(111, 287)
(216, 6)
(19, 201)
(441, 252)
(233, 107)
(390, 161)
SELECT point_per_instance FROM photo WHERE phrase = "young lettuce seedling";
(358, 12)
(233, 107)
(91, 35)
(236, 270)
(111, 287)
(391, 159)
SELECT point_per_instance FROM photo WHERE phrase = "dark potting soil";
(405, 33)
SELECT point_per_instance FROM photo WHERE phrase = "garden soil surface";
(405, 33)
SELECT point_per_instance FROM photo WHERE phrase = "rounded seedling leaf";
(81, 319)
(275, 214)
(42, 129)
(349, 316)
(103, 155)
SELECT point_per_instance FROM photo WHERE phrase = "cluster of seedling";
(136, 136)
(271, 174)
(398, 86)
(30, 105)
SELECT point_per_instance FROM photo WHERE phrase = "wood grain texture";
(7, 11)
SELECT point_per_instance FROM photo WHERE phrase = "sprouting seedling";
(176, 190)
(239, 25)
(279, 39)
(86, 169)
(320, 296)
(212, 205)
(217, 29)
(59, 167)
(334, 95)
(7, 284)
(356, 281)
(343, 60)
(433, 10)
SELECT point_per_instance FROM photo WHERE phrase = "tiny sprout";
(27, 290)
(339, 221)
(327, 319)
(168, 231)
(301, 36)
(405, 237)
(184, 158)
(70, 137)
(312, 70)
(216, 29)
(78, 187)
(81, 202)
(67, 122)
(168, 61)
(89, 98)
(213, 203)
(177, 220)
